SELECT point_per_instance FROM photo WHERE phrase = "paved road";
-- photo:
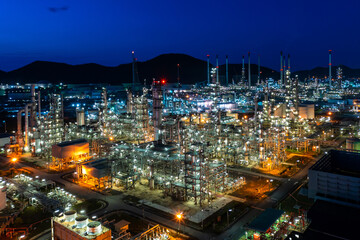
(249, 172)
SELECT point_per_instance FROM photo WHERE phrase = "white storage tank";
(81, 221)
(94, 228)
(70, 216)
(80, 117)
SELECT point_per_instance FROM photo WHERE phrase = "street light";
(227, 216)
(14, 160)
(179, 216)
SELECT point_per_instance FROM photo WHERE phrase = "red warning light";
(163, 81)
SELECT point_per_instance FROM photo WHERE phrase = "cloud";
(58, 9)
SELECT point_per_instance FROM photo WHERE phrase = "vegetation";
(296, 201)
(136, 226)
(30, 215)
(89, 205)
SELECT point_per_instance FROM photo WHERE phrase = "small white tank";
(70, 216)
(93, 228)
(81, 221)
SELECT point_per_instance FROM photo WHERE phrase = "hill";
(322, 72)
(192, 70)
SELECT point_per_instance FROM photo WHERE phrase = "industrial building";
(70, 225)
(96, 173)
(329, 221)
(335, 178)
(70, 153)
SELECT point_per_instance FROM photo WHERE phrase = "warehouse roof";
(264, 221)
(72, 142)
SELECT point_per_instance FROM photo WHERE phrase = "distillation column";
(157, 109)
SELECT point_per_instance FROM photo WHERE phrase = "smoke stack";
(243, 69)
(33, 107)
(227, 70)
(284, 68)
(27, 126)
(39, 104)
(133, 71)
(208, 69)
(281, 67)
(217, 70)
(19, 126)
(289, 62)
(258, 70)
(178, 74)
(249, 70)
(330, 68)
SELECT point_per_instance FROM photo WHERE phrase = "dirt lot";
(256, 188)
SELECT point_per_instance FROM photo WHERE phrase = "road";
(234, 232)
(249, 172)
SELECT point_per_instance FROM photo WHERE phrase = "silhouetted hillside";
(2, 74)
(192, 70)
(322, 72)
(235, 72)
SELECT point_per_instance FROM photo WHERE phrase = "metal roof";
(264, 221)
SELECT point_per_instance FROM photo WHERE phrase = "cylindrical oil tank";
(81, 221)
(70, 216)
(80, 117)
(93, 228)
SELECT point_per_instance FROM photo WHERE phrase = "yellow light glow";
(179, 216)
(14, 159)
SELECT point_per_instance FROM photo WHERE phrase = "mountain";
(322, 72)
(60, 72)
(2, 74)
(192, 70)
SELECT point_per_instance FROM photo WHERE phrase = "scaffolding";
(51, 126)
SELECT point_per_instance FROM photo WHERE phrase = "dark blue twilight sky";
(105, 31)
